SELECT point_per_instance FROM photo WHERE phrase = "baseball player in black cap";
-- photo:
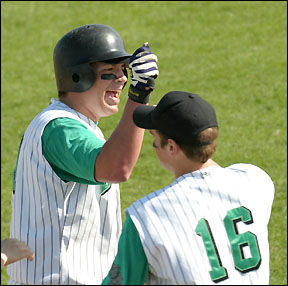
(209, 225)
(66, 198)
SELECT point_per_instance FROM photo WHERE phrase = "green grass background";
(233, 53)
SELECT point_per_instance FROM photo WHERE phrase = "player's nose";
(122, 75)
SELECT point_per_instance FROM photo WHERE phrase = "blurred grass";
(233, 53)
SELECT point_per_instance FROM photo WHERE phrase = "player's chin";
(112, 108)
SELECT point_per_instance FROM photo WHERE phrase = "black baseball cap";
(179, 115)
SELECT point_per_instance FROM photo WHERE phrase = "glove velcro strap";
(139, 95)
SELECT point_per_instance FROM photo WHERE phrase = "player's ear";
(173, 147)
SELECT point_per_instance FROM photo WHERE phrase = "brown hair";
(197, 153)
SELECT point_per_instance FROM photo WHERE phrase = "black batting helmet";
(78, 48)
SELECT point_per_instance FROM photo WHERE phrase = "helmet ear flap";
(78, 78)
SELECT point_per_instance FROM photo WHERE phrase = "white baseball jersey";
(208, 227)
(72, 229)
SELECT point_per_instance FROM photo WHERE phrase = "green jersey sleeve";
(130, 266)
(71, 150)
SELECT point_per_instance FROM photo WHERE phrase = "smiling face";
(105, 93)
(103, 98)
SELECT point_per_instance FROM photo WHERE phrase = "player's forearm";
(119, 154)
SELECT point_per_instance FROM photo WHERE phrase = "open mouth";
(113, 96)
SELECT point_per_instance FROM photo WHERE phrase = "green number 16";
(237, 241)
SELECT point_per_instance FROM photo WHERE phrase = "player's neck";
(192, 166)
(78, 103)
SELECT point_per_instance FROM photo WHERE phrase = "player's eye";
(154, 144)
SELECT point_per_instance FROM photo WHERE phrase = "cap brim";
(142, 117)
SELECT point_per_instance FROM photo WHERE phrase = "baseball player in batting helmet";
(66, 199)
(207, 227)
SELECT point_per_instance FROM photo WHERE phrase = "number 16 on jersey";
(237, 241)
